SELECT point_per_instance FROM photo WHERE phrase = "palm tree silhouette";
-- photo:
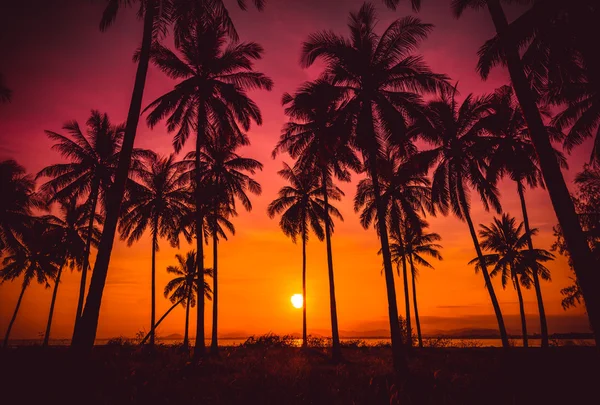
(513, 259)
(156, 201)
(319, 137)
(35, 258)
(71, 230)
(182, 289)
(15, 205)
(583, 261)
(459, 157)
(406, 194)
(381, 78)
(94, 157)
(211, 96)
(415, 245)
(301, 206)
(515, 156)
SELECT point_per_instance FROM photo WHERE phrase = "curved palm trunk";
(484, 271)
(408, 336)
(160, 320)
(214, 344)
(584, 264)
(536, 278)
(414, 291)
(199, 346)
(336, 350)
(86, 257)
(153, 295)
(304, 337)
(54, 294)
(85, 330)
(12, 320)
(522, 310)
(398, 358)
(186, 334)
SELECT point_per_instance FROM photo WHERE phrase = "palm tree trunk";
(584, 264)
(536, 278)
(414, 290)
(522, 309)
(484, 271)
(153, 295)
(199, 346)
(12, 320)
(86, 257)
(214, 344)
(186, 334)
(304, 337)
(408, 336)
(398, 358)
(336, 350)
(160, 320)
(85, 330)
(54, 293)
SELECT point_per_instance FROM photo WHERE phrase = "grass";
(267, 370)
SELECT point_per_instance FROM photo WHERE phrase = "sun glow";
(297, 300)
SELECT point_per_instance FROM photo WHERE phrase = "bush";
(270, 340)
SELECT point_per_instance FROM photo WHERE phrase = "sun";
(297, 300)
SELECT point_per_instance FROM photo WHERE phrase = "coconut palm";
(302, 208)
(381, 77)
(156, 200)
(210, 96)
(70, 229)
(182, 289)
(35, 258)
(513, 259)
(15, 205)
(458, 159)
(319, 137)
(406, 194)
(583, 262)
(514, 155)
(93, 159)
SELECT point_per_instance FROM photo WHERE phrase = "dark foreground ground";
(286, 375)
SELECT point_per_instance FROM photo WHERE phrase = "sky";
(60, 66)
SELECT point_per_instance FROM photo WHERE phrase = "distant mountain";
(172, 336)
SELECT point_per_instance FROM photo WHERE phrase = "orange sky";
(60, 66)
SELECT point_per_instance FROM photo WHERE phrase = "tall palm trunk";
(484, 271)
(214, 343)
(536, 278)
(186, 334)
(86, 257)
(522, 310)
(160, 320)
(408, 336)
(85, 330)
(414, 291)
(398, 359)
(584, 264)
(12, 320)
(199, 346)
(54, 293)
(304, 337)
(336, 350)
(153, 295)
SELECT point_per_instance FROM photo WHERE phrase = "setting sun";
(297, 300)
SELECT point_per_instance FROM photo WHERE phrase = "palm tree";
(35, 258)
(94, 157)
(414, 247)
(406, 193)
(15, 205)
(157, 201)
(459, 159)
(5, 92)
(211, 96)
(182, 288)
(381, 78)
(512, 258)
(70, 229)
(318, 136)
(301, 206)
(583, 262)
(515, 156)
(223, 171)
